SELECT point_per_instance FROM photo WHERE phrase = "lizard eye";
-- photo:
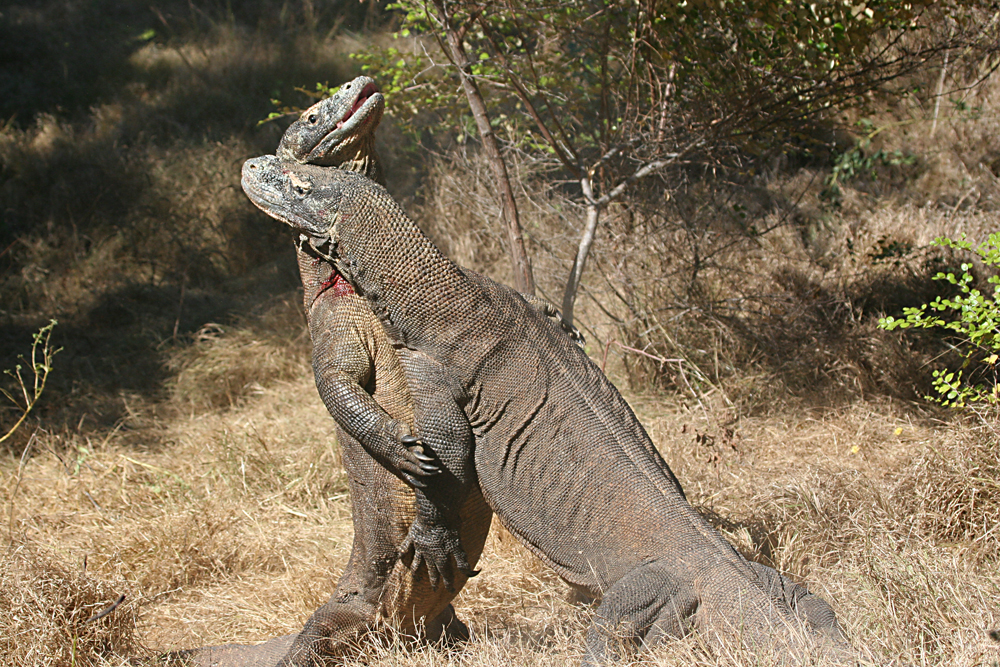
(300, 186)
(312, 119)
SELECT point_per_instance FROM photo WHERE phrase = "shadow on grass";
(65, 56)
(119, 349)
(123, 128)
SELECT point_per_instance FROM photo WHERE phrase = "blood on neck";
(337, 284)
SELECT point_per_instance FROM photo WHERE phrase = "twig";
(180, 306)
(940, 88)
(4, 252)
(101, 614)
(662, 360)
(604, 359)
(40, 370)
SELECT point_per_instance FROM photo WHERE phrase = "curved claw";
(419, 469)
(423, 463)
(439, 548)
(408, 468)
(415, 481)
(462, 564)
(434, 577)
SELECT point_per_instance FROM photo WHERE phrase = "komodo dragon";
(375, 585)
(560, 456)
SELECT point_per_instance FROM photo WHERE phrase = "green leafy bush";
(860, 161)
(973, 319)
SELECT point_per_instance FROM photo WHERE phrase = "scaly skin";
(348, 340)
(353, 357)
(560, 456)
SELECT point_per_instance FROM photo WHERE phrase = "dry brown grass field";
(232, 525)
(181, 456)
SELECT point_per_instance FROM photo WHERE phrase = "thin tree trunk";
(940, 92)
(523, 277)
(594, 207)
(586, 241)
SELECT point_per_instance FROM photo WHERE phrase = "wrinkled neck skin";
(318, 274)
(361, 158)
(319, 277)
(313, 270)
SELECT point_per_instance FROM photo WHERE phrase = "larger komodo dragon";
(560, 456)
(350, 350)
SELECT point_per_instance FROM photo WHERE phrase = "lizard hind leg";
(811, 609)
(646, 606)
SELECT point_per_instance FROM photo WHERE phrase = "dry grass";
(183, 454)
(50, 613)
(225, 364)
(231, 524)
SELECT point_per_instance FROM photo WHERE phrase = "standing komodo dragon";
(350, 348)
(560, 456)
(353, 358)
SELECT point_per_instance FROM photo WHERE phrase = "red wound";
(337, 284)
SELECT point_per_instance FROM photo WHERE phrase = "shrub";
(972, 319)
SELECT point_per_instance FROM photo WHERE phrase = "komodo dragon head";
(302, 196)
(337, 131)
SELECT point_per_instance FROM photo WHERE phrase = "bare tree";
(453, 32)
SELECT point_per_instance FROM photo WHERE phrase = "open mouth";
(363, 97)
(358, 121)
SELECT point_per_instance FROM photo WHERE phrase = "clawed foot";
(416, 462)
(436, 546)
(574, 334)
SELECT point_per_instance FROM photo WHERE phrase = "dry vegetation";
(181, 456)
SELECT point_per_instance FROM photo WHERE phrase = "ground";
(232, 524)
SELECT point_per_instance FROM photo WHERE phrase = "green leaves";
(972, 317)
(744, 71)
